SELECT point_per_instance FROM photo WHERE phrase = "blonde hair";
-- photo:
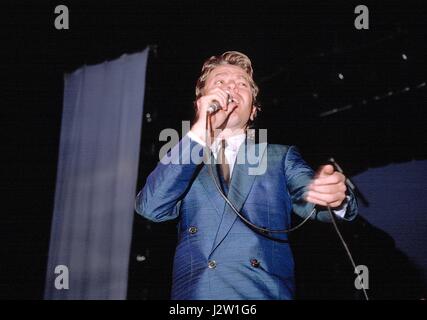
(233, 58)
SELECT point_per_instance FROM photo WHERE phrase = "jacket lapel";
(211, 191)
(240, 185)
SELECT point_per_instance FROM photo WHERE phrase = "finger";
(206, 101)
(335, 178)
(328, 188)
(323, 203)
(328, 198)
(325, 170)
(221, 96)
(315, 201)
(336, 204)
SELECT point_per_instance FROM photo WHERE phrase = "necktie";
(225, 168)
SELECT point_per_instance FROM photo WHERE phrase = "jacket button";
(255, 263)
(212, 264)
(192, 230)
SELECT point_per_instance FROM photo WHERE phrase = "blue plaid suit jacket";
(217, 256)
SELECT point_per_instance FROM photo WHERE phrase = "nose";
(231, 85)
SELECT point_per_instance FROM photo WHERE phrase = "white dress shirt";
(231, 150)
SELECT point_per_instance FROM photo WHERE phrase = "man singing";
(218, 256)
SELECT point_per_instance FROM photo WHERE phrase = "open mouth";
(232, 101)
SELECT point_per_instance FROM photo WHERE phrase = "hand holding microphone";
(327, 188)
(215, 105)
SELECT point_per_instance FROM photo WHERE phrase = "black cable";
(345, 247)
(264, 231)
(261, 230)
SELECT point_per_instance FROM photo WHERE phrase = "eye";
(243, 84)
(219, 82)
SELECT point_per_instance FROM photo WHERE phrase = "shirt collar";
(233, 143)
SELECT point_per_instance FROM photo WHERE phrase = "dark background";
(298, 49)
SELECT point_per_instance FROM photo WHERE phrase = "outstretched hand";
(327, 188)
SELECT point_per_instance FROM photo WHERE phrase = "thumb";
(325, 170)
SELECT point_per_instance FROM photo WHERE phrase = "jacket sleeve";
(299, 175)
(166, 185)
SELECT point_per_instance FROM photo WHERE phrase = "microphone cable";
(347, 250)
(265, 231)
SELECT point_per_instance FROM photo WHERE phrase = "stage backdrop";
(397, 195)
(96, 180)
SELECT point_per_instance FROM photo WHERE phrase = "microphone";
(350, 184)
(338, 168)
(215, 106)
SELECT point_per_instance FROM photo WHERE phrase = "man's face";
(236, 82)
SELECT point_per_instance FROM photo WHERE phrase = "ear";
(253, 113)
(197, 105)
